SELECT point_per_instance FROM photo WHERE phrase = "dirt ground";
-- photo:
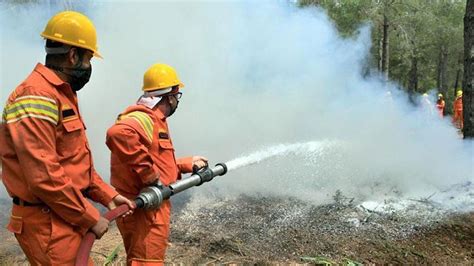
(259, 230)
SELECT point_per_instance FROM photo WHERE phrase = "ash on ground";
(437, 229)
(253, 229)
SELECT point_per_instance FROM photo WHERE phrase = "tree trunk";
(442, 77)
(456, 82)
(380, 53)
(438, 70)
(385, 56)
(444, 71)
(458, 73)
(413, 78)
(468, 89)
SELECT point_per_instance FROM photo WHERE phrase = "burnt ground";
(262, 230)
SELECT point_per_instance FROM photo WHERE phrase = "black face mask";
(79, 77)
(172, 110)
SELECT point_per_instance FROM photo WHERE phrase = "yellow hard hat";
(72, 28)
(440, 95)
(425, 94)
(459, 93)
(160, 76)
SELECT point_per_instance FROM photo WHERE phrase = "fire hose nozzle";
(207, 174)
(217, 169)
(151, 197)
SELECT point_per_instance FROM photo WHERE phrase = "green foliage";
(420, 29)
(113, 255)
(320, 260)
(350, 262)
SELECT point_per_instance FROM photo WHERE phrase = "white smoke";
(257, 74)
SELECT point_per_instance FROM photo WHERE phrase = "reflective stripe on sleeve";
(32, 107)
(144, 120)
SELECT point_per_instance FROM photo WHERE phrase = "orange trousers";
(45, 238)
(145, 235)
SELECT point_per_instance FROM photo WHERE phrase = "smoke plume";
(257, 74)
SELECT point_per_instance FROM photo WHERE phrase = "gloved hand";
(101, 227)
(199, 162)
(119, 200)
(158, 184)
(152, 181)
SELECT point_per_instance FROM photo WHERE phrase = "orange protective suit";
(48, 170)
(142, 153)
(458, 116)
(440, 104)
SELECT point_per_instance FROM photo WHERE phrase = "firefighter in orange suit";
(457, 110)
(440, 104)
(46, 159)
(142, 155)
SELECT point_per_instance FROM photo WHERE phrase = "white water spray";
(312, 147)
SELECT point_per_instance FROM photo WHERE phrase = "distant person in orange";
(457, 110)
(46, 159)
(440, 104)
(143, 155)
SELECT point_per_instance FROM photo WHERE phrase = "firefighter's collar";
(49, 75)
